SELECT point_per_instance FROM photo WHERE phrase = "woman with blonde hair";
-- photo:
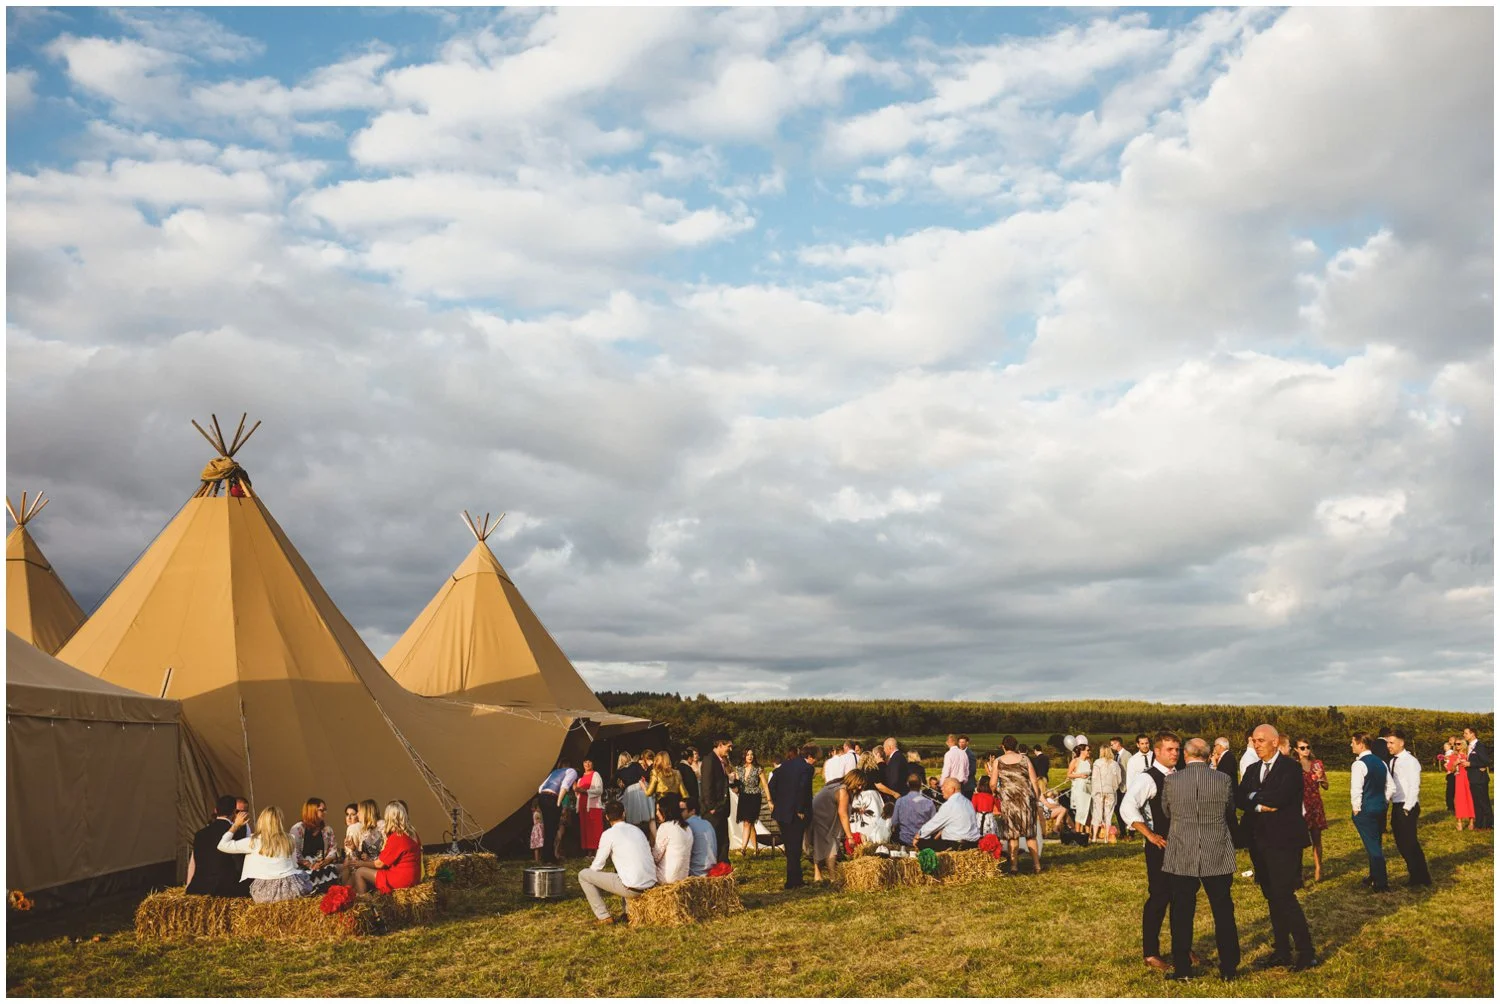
(365, 840)
(270, 857)
(314, 846)
(664, 779)
(1104, 782)
(400, 862)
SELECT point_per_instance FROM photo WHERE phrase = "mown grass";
(1073, 931)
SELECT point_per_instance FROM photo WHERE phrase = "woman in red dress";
(1314, 783)
(590, 791)
(1457, 764)
(400, 863)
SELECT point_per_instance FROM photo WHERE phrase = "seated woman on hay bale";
(363, 841)
(270, 857)
(400, 862)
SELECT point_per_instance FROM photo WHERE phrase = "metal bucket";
(544, 882)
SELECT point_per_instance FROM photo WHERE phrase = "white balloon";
(1069, 743)
(1080, 740)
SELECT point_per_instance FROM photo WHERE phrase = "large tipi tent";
(38, 607)
(95, 777)
(222, 613)
(478, 641)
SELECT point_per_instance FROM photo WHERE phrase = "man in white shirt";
(1403, 788)
(840, 763)
(1248, 757)
(1138, 810)
(1139, 761)
(635, 867)
(955, 819)
(955, 763)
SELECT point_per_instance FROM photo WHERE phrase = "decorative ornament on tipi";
(223, 471)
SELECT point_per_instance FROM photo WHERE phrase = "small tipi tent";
(91, 779)
(478, 641)
(222, 613)
(38, 607)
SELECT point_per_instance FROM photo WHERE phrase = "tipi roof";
(479, 641)
(223, 614)
(38, 607)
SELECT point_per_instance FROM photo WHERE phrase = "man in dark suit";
(714, 792)
(968, 786)
(1224, 761)
(211, 872)
(1198, 802)
(1481, 762)
(1270, 794)
(790, 789)
(892, 781)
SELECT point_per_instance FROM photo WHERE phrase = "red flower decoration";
(721, 868)
(337, 899)
(990, 844)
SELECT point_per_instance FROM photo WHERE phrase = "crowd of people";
(269, 862)
(1192, 804)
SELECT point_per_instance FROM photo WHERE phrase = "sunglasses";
(1304, 747)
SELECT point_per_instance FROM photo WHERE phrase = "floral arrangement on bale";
(720, 869)
(990, 844)
(927, 860)
(18, 901)
(337, 899)
(691, 901)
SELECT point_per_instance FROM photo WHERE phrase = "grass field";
(1072, 931)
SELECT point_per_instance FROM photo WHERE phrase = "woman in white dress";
(1080, 796)
(1105, 784)
(867, 817)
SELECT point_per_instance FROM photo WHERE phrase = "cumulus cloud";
(20, 91)
(1127, 358)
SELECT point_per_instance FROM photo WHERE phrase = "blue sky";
(1028, 350)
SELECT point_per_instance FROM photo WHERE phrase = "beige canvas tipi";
(223, 614)
(478, 641)
(38, 607)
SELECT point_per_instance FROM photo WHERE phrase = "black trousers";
(1452, 778)
(1404, 829)
(792, 834)
(939, 844)
(551, 813)
(720, 820)
(1158, 900)
(1279, 870)
(1185, 906)
(1479, 787)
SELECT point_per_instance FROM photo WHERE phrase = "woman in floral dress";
(1314, 783)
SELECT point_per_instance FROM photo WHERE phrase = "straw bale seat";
(173, 915)
(869, 871)
(691, 901)
(468, 870)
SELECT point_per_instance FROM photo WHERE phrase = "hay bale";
(172, 915)
(960, 867)
(418, 904)
(866, 873)
(469, 870)
(301, 920)
(691, 901)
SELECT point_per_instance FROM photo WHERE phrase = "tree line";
(769, 727)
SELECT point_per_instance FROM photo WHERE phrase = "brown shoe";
(1158, 963)
(604, 921)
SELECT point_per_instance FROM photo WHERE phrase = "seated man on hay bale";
(955, 825)
(635, 867)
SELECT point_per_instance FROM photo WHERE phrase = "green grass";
(1073, 931)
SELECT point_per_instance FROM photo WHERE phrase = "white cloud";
(20, 91)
